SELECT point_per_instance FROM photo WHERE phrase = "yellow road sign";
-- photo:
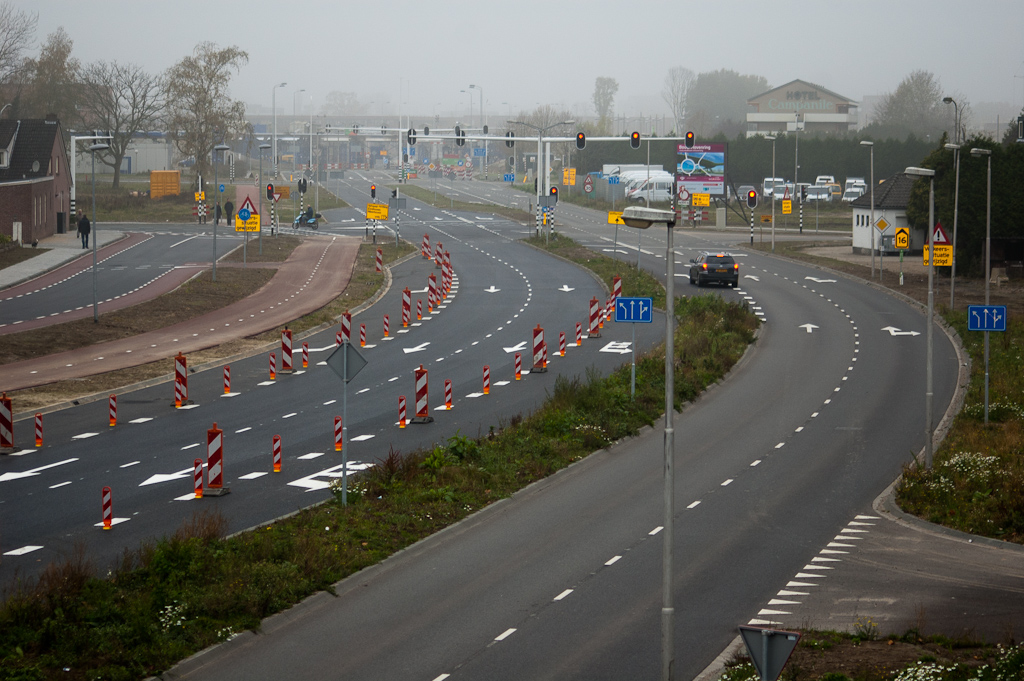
(943, 255)
(572, 177)
(903, 238)
(200, 196)
(565, 176)
(882, 224)
(250, 225)
(615, 217)
(766, 218)
(787, 206)
(701, 200)
(377, 211)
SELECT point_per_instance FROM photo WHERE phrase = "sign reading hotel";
(701, 170)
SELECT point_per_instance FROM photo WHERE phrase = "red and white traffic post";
(425, 247)
(180, 380)
(227, 379)
(519, 366)
(487, 380)
(401, 411)
(447, 273)
(362, 335)
(422, 405)
(595, 312)
(6, 423)
(305, 355)
(544, 355)
(346, 328)
(419, 309)
(579, 334)
(215, 461)
(337, 434)
(447, 393)
(538, 350)
(108, 508)
(386, 324)
(437, 256)
(39, 429)
(277, 453)
(112, 409)
(286, 349)
(561, 343)
(380, 260)
(197, 478)
(433, 299)
(616, 289)
(406, 307)
(273, 367)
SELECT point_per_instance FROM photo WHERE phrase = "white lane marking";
(113, 521)
(694, 504)
(33, 472)
(22, 551)
(288, 416)
(727, 482)
(508, 632)
(129, 465)
(142, 419)
(84, 436)
(755, 462)
(780, 445)
(613, 560)
(563, 594)
(361, 438)
(311, 455)
(191, 446)
(253, 475)
(329, 402)
(240, 430)
(656, 530)
(60, 484)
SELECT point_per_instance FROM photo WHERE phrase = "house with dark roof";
(799, 106)
(35, 181)
(891, 199)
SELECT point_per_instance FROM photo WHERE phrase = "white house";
(891, 199)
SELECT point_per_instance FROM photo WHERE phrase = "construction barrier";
(401, 411)
(538, 344)
(422, 403)
(346, 328)
(386, 325)
(579, 334)
(108, 508)
(273, 367)
(561, 343)
(305, 355)
(277, 453)
(446, 273)
(437, 256)
(197, 477)
(544, 356)
(215, 460)
(519, 366)
(406, 307)
(487, 380)
(6, 423)
(447, 394)
(112, 410)
(180, 380)
(337, 434)
(227, 379)
(595, 329)
(286, 349)
(39, 429)
(419, 310)
(362, 335)
(380, 260)
(616, 289)
(425, 247)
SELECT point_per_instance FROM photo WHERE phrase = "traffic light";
(426, 130)
(373, 191)
(689, 140)
(581, 140)
(510, 139)
(270, 192)
(394, 193)
(460, 137)
(752, 198)
(302, 185)
(554, 193)
(410, 136)
(485, 129)
(512, 162)
(634, 140)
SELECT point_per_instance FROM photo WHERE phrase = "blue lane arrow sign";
(986, 318)
(634, 310)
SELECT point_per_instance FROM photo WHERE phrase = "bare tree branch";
(677, 86)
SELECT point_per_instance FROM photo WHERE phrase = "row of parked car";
(825, 188)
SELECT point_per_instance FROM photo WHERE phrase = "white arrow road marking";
(617, 347)
(491, 289)
(516, 348)
(164, 477)
(893, 331)
(565, 288)
(809, 327)
(821, 281)
(33, 472)
(751, 276)
(419, 290)
(418, 348)
(22, 551)
(311, 483)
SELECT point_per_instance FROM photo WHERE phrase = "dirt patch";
(275, 249)
(11, 254)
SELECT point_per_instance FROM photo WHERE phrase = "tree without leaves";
(604, 100)
(124, 99)
(54, 82)
(200, 114)
(677, 85)
(716, 98)
(915, 107)
(16, 32)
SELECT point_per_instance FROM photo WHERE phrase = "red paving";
(303, 283)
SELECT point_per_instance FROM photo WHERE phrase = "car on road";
(714, 268)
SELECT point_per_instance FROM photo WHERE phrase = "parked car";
(825, 179)
(853, 194)
(817, 193)
(768, 186)
(718, 268)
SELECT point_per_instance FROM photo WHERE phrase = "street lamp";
(930, 174)
(295, 108)
(216, 208)
(871, 227)
(540, 157)
(99, 146)
(467, 92)
(955, 148)
(772, 138)
(642, 218)
(477, 87)
(263, 147)
(273, 104)
(988, 253)
(956, 118)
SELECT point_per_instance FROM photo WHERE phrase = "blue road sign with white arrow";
(986, 318)
(634, 310)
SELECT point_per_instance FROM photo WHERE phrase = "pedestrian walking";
(83, 229)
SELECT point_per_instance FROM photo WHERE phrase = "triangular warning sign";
(248, 205)
(940, 236)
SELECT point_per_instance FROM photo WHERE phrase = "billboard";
(701, 170)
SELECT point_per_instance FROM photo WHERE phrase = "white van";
(768, 186)
(655, 190)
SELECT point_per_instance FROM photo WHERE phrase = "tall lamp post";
(642, 218)
(477, 87)
(955, 148)
(263, 147)
(871, 227)
(988, 253)
(99, 146)
(540, 156)
(295, 106)
(216, 209)
(930, 174)
(273, 105)
(772, 138)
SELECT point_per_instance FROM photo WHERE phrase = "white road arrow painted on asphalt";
(419, 348)
(751, 276)
(565, 288)
(491, 289)
(516, 348)
(618, 347)
(33, 472)
(809, 327)
(893, 331)
(821, 281)
(419, 290)
(165, 477)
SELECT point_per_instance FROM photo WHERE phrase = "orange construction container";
(164, 183)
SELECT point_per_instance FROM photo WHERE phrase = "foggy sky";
(530, 52)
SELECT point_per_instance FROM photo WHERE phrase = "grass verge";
(170, 598)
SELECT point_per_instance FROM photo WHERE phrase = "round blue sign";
(244, 215)
(222, 189)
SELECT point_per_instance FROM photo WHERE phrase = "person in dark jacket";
(84, 228)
